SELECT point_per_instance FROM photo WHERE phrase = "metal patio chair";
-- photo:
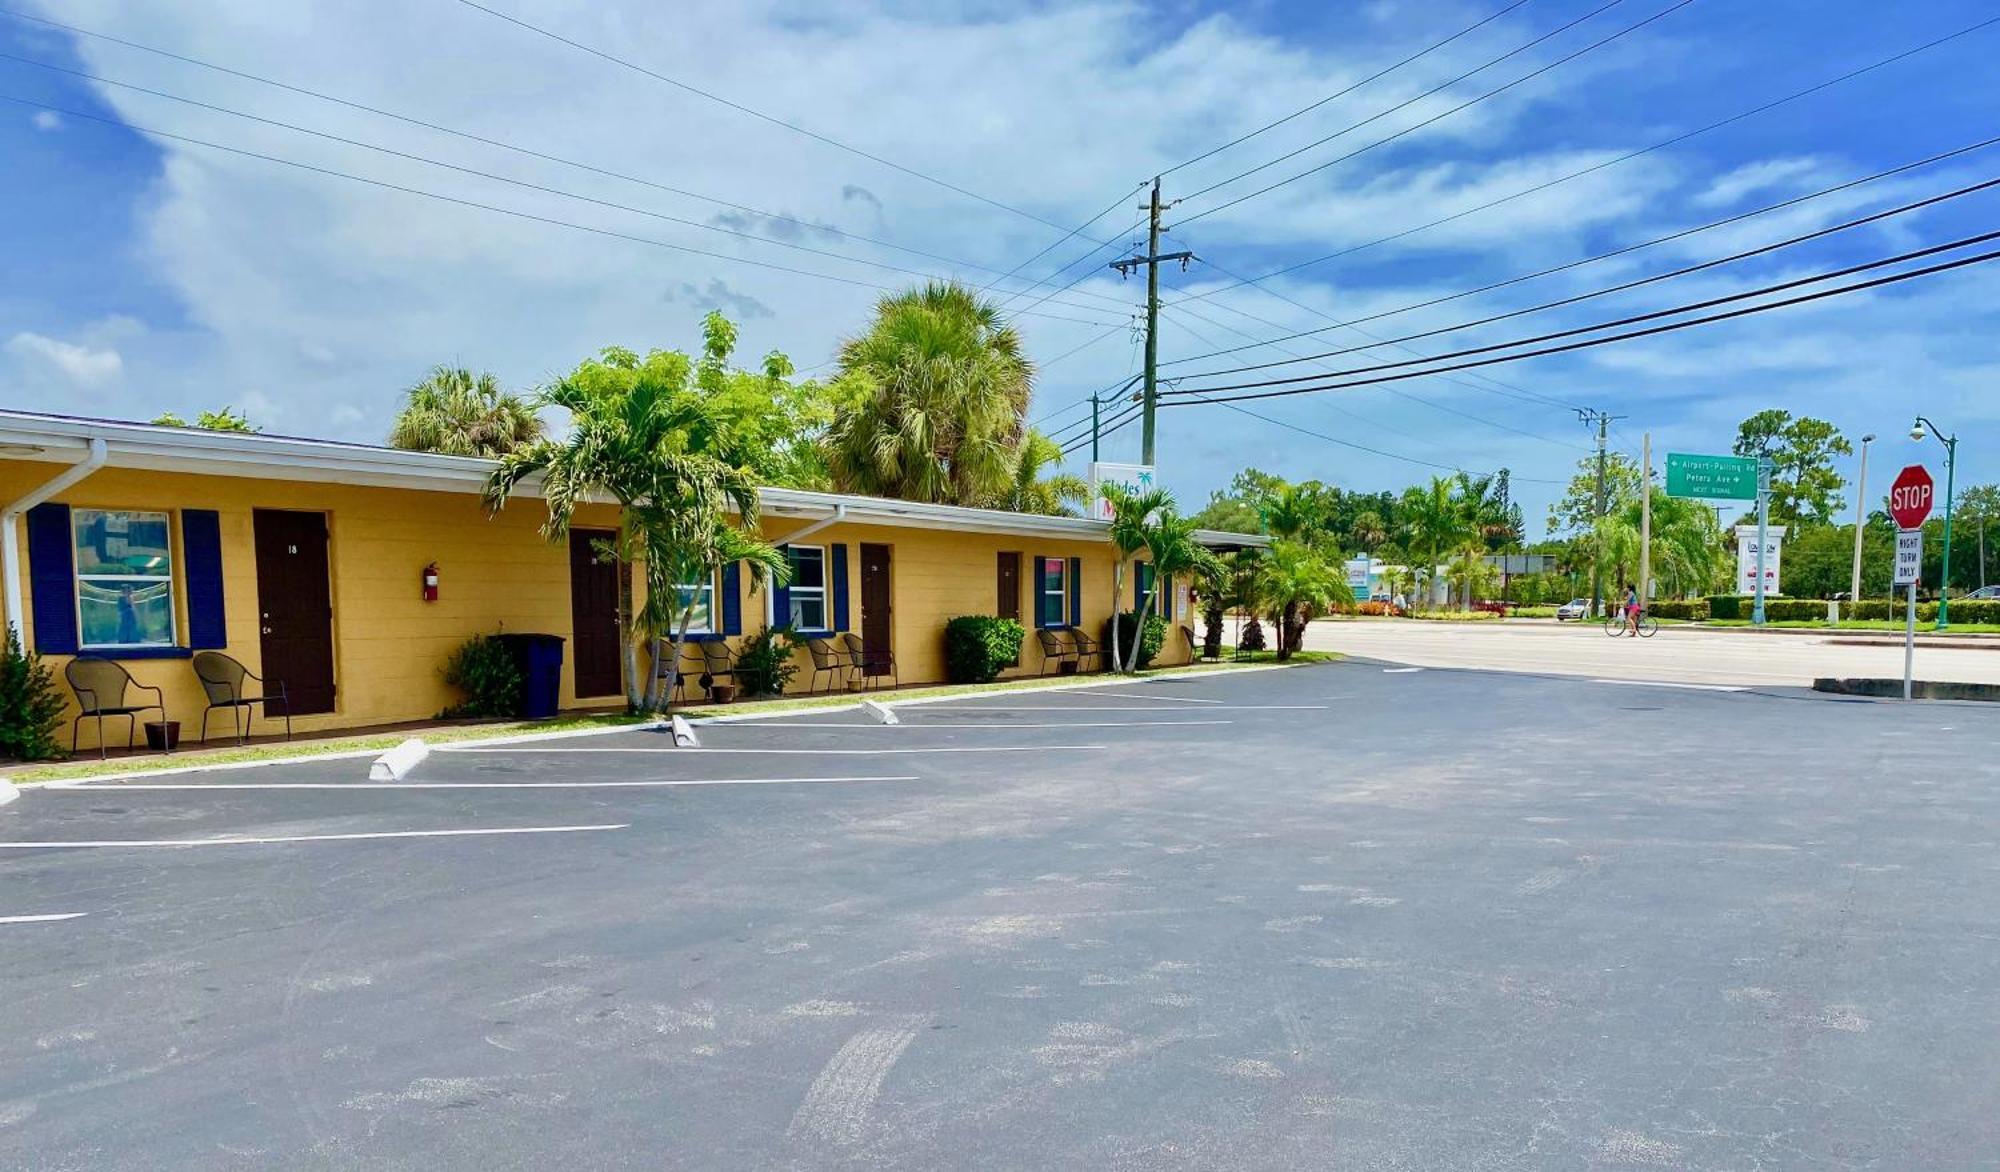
(690, 669)
(718, 662)
(864, 659)
(1057, 648)
(101, 687)
(222, 679)
(831, 659)
(1087, 649)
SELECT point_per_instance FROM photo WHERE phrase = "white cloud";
(47, 120)
(81, 366)
(1759, 176)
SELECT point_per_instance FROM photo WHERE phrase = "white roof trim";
(64, 439)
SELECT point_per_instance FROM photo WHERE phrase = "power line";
(1495, 92)
(739, 107)
(1662, 329)
(1625, 286)
(1614, 161)
(462, 202)
(1053, 245)
(466, 135)
(1377, 76)
(498, 178)
(1616, 252)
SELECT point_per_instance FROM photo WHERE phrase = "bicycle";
(1615, 624)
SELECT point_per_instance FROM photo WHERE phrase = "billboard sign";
(1746, 559)
(1132, 477)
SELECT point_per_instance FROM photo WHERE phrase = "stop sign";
(1910, 497)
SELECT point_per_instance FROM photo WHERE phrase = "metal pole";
(1597, 563)
(1151, 400)
(1944, 579)
(1909, 640)
(1860, 519)
(1645, 519)
(1094, 431)
(1763, 524)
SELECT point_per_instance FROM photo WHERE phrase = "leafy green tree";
(457, 413)
(227, 419)
(1470, 573)
(1434, 523)
(1174, 551)
(1489, 509)
(948, 386)
(1687, 554)
(1576, 512)
(1369, 531)
(1240, 507)
(1132, 515)
(1030, 491)
(1805, 489)
(651, 447)
(1294, 584)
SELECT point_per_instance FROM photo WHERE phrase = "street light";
(1917, 433)
(1860, 518)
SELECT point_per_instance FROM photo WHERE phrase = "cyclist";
(1632, 610)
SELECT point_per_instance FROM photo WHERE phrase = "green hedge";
(1691, 609)
(1149, 646)
(977, 647)
(1725, 606)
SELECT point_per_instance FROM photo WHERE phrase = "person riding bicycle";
(1632, 610)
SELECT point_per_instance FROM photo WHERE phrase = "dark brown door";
(1010, 587)
(295, 608)
(877, 614)
(593, 615)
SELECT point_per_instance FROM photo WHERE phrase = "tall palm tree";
(1294, 584)
(652, 449)
(1369, 530)
(949, 385)
(1029, 491)
(1434, 518)
(1131, 528)
(458, 413)
(1295, 513)
(1174, 551)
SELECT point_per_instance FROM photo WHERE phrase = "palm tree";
(1369, 532)
(1470, 571)
(1029, 491)
(650, 447)
(949, 385)
(1174, 551)
(1687, 553)
(1294, 585)
(1434, 518)
(457, 413)
(1131, 530)
(1295, 512)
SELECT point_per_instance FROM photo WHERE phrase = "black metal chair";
(222, 679)
(864, 659)
(691, 666)
(101, 686)
(1087, 648)
(831, 659)
(1057, 648)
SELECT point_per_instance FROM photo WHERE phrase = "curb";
(396, 764)
(1892, 689)
(8, 791)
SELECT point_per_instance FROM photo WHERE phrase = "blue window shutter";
(781, 596)
(52, 577)
(732, 598)
(1041, 614)
(838, 553)
(201, 548)
(1076, 592)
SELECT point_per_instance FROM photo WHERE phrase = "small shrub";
(764, 664)
(1251, 638)
(1691, 609)
(1378, 608)
(1493, 608)
(977, 647)
(1725, 606)
(31, 708)
(1154, 637)
(484, 669)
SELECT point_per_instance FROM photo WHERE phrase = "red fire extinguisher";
(431, 582)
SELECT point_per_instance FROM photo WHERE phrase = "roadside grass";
(195, 758)
(1531, 612)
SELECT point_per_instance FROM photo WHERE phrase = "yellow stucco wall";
(499, 574)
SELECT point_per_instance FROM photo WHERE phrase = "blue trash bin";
(540, 658)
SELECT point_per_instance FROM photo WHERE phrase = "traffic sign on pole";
(1909, 556)
(1910, 497)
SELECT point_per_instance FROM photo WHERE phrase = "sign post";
(1910, 503)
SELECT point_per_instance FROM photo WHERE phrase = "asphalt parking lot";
(1339, 916)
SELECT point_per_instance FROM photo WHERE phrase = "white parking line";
(1045, 724)
(247, 841)
(1671, 684)
(669, 749)
(1399, 671)
(1175, 699)
(398, 785)
(1108, 708)
(48, 919)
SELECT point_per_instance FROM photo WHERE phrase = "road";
(1677, 654)
(1332, 917)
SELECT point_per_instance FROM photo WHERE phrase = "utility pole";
(1150, 395)
(1093, 427)
(1860, 521)
(1603, 421)
(1646, 521)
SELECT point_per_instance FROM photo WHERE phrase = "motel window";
(124, 578)
(808, 587)
(701, 596)
(1052, 609)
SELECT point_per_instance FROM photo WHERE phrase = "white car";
(1576, 609)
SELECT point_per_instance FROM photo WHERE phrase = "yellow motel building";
(350, 572)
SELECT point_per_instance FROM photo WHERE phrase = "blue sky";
(139, 273)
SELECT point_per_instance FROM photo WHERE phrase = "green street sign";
(1712, 478)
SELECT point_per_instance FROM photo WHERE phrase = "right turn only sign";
(1909, 556)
